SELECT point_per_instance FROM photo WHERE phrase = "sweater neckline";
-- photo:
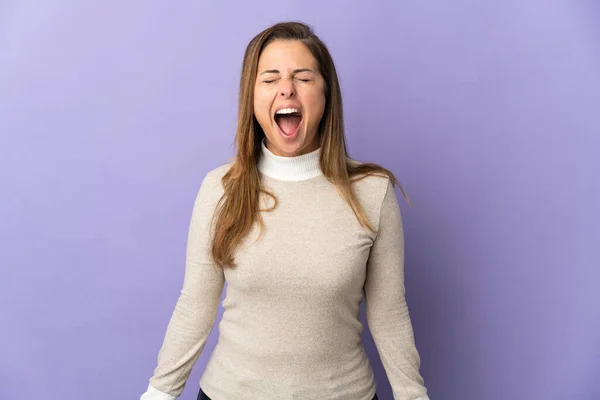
(298, 168)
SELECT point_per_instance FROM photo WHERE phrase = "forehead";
(286, 53)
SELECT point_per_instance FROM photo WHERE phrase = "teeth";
(288, 111)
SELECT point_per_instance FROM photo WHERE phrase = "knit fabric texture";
(290, 328)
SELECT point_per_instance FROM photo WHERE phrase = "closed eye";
(305, 80)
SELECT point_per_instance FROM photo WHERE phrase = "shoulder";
(210, 188)
(216, 174)
(371, 190)
(212, 179)
(375, 185)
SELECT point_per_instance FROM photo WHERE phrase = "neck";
(296, 168)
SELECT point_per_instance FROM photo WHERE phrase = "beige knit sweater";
(290, 327)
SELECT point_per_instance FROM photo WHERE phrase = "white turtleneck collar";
(297, 168)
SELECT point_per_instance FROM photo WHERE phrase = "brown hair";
(238, 208)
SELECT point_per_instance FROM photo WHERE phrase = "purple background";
(489, 113)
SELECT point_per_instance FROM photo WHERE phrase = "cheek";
(262, 109)
(317, 102)
(260, 106)
(263, 93)
(322, 102)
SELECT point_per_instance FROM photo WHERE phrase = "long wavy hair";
(238, 208)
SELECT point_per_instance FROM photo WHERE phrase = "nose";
(286, 88)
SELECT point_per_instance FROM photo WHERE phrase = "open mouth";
(288, 120)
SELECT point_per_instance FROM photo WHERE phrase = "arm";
(196, 308)
(386, 310)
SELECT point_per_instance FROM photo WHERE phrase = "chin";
(287, 147)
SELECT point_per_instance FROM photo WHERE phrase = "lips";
(288, 120)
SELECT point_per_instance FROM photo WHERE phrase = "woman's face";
(289, 98)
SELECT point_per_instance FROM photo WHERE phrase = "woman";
(299, 231)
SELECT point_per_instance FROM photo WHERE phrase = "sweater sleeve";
(196, 308)
(385, 304)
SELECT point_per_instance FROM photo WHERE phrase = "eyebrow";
(296, 71)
